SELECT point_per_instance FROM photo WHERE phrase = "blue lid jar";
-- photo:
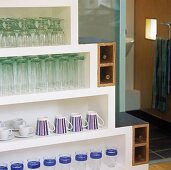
(111, 152)
(49, 162)
(96, 155)
(65, 159)
(33, 164)
(81, 157)
(3, 166)
(17, 166)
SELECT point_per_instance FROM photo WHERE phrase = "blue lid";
(3, 167)
(65, 159)
(33, 164)
(96, 155)
(81, 157)
(111, 152)
(17, 166)
(49, 162)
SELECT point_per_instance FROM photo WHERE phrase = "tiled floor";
(160, 143)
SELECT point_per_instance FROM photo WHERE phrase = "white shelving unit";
(92, 97)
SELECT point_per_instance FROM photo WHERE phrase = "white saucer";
(17, 135)
(9, 138)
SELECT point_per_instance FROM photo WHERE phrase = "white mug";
(5, 133)
(25, 130)
(17, 122)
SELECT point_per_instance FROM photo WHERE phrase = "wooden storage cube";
(106, 64)
(140, 155)
(141, 135)
(140, 144)
(106, 75)
(106, 54)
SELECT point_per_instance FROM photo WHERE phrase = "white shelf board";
(38, 3)
(61, 49)
(37, 141)
(49, 96)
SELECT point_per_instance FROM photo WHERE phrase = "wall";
(144, 49)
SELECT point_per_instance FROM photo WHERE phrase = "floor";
(161, 166)
(160, 138)
(160, 144)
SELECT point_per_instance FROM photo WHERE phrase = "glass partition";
(104, 21)
(99, 21)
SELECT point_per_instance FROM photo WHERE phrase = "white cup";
(2, 124)
(25, 130)
(5, 133)
(17, 122)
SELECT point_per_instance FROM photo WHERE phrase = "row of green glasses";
(32, 74)
(26, 32)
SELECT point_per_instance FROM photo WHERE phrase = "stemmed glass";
(8, 36)
(33, 31)
(1, 31)
(57, 32)
(60, 32)
(24, 36)
(42, 31)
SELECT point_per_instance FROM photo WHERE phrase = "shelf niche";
(106, 64)
(36, 12)
(140, 144)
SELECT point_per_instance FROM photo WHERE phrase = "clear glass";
(95, 163)
(73, 72)
(111, 156)
(80, 164)
(24, 36)
(42, 31)
(8, 36)
(7, 77)
(50, 72)
(44, 78)
(111, 161)
(22, 79)
(57, 71)
(1, 75)
(35, 75)
(64, 71)
(1, 31)
(81, 71)
(65, 166)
